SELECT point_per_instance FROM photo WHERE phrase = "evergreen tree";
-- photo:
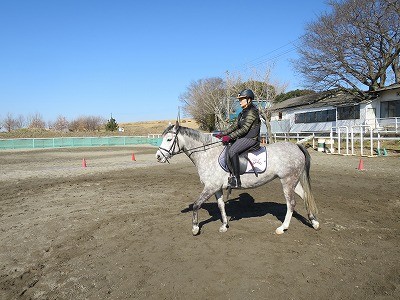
(111, 125)
(292, 94)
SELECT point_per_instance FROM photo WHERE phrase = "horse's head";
(170, 144)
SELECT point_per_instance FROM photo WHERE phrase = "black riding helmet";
(247, 93)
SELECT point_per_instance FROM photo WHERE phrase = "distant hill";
(130, 129)
(154, 127)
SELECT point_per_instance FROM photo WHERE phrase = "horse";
(285, 160)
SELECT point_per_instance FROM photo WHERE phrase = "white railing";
(339, 138)
(371, 137)
(385, 124)
(358, 133)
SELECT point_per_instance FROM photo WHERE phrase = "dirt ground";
(121, 229)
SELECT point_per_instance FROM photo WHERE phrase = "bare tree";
(61, 124)
(9, 123)
(94, 123)
(36, 121)
(76, 125)
(204, 100)
(259, 81)
(357, 44)
(87, 123)
(20, 122)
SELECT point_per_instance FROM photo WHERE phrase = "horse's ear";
(176, 124)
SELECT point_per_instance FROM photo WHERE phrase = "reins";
(201, 148)
(191, 150)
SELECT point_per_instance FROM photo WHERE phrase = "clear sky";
(134, 58)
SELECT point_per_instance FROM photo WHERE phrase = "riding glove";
(226, 139)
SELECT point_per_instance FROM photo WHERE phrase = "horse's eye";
(168, 140)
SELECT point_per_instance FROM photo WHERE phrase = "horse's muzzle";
(161, 157)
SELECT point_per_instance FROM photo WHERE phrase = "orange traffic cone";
(133, 156)
(361, 165)
(83, 163)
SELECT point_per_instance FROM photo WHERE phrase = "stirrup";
(233, 182)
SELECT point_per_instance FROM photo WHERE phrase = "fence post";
(313, 140)
(371, 141)
(379, 142)
(331, 138)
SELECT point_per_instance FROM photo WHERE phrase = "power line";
(275, 57)
(251, 64)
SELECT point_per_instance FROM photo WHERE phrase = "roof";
(328, 98)
(389, 87)
(335, 98)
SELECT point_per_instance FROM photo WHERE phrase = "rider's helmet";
(247, 93)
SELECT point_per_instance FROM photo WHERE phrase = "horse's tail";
(305, 181)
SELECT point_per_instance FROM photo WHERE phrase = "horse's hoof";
(223, 229)
(315, 225)
(195, 230)
(279, 230)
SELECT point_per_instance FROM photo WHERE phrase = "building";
(320, 112)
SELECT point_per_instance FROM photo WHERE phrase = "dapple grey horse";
(287, 161)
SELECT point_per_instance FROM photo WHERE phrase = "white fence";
(342, 140)
(385, 124)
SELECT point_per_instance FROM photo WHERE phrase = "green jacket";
(248, 125)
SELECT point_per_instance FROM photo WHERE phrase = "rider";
(245, 133)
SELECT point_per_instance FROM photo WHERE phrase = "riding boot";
(236, 171)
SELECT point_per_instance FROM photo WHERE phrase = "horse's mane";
(195, 134)
(167, 129)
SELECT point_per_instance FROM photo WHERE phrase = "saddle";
(251, 161)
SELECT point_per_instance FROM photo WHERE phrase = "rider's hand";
(226, 139)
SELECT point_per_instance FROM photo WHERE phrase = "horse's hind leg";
(299, 190)
(221, 205)
(288, 185)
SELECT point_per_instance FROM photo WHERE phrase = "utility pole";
(227, 95)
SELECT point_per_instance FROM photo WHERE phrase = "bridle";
(175, 142)
(170, 151)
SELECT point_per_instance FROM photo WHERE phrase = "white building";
(320, 112)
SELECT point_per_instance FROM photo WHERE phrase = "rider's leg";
(236, 170)
(236, 148)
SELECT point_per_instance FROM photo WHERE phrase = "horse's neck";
(193, 149)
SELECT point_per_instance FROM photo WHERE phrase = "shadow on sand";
(244, 207)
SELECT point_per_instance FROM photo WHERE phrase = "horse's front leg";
(204, 196)
(221, 205)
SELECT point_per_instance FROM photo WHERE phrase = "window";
(390, 109)
(328, 115)
(331, 115)
(348, 112)
(320, 116)
(309, 117)
(300, 118)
